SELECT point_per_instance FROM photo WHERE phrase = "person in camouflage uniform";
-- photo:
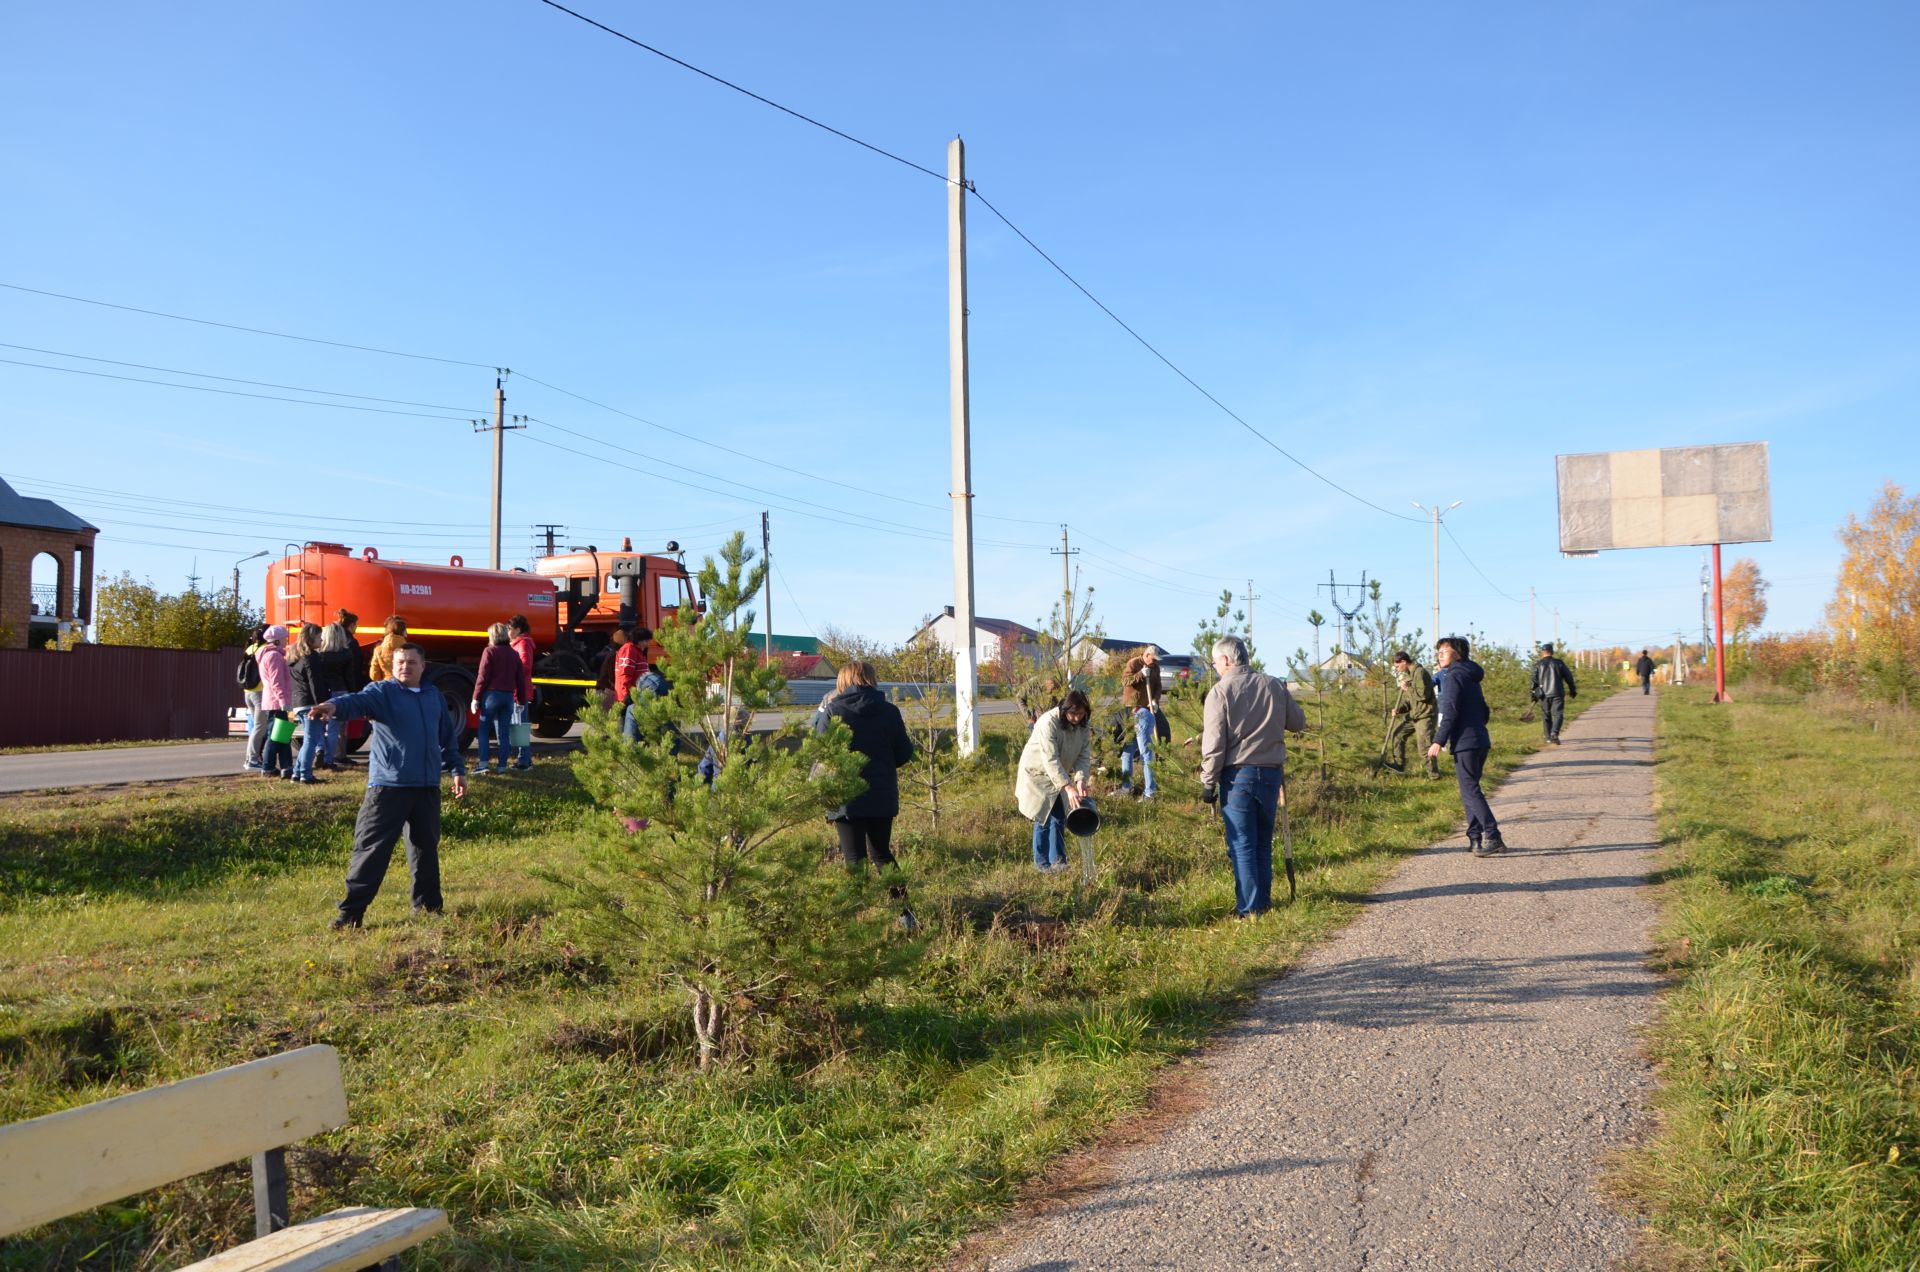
(1413, 713)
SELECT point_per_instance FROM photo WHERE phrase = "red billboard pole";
(1719, 634)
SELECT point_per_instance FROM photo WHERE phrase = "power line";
(788, 589)
(1476, 569)
(1005, 220)
(208, 388)
(475, 526)
(257, 331)
(230, 379)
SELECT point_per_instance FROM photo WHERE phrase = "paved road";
(1436, 1087)
(44, 770)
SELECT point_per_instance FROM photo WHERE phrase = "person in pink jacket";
(276, 691)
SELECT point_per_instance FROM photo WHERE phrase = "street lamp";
(236, 575)
(1437, 511)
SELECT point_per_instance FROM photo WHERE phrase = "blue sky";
(1423, 249)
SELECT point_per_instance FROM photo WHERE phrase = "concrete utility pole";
(1556, 629)
(499, 429)
(1251, 598)
(966, 652)
(236, 575)
(766, 559)
(1437, 512)
(1066, 555)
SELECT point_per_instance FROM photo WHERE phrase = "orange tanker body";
(572, 605)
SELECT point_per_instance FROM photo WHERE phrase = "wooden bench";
(67, 1162)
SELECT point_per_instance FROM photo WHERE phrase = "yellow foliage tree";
(1743, 598)
(1875, 611)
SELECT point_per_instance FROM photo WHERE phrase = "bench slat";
(79, 1158)
(350, 1239)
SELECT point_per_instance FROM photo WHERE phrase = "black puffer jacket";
(306, 677)
(879, 734)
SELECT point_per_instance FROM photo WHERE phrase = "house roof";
(36, 514)
(1128, 646)
(1003, 628)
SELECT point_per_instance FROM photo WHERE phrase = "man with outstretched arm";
(415, 739)
(1462, 729)
(1243, 755)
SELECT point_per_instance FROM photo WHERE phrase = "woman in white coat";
(1054, 768)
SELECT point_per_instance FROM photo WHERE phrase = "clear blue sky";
(1424, 249)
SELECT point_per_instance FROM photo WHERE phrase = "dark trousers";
(384, 813)
(1553, 714)
(1646, 684)
(865, 839)
(1467, 767)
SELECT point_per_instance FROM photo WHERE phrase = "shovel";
(1286, 841)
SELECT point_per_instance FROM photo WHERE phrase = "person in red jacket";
(501, 684)
(522, 634)
(629, 664)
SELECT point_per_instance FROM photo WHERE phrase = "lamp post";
(1437, 511)
(236, 575)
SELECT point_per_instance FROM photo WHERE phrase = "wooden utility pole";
(1066, 555)
(766, 560)
(499, 429)
(966, 652)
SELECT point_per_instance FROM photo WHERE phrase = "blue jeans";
(336, 743)
(1143, 726)
(312, 742)
(523, 755)
(496, 711)
(1249, 803)
(1050, 838)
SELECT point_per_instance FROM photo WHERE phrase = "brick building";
(30, 528)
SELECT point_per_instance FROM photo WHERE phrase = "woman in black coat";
(865, 823)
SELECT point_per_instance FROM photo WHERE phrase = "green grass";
(502, 1066)
(1789, 1049)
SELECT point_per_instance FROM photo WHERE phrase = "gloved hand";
(1209, 794)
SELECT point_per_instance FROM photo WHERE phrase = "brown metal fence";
(112, 693)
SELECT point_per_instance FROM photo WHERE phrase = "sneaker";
(309, 780)
(250, 767)
(430, 911)
(523, 768)
(341, 922)
(1492, 848)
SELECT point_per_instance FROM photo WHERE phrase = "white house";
(990, 635)
(1095, 655)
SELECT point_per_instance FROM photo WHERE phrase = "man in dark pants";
(1462, 729)
(1552, 686)
(415, 737)
(1644, 669)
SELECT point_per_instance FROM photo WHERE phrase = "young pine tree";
(700, 885)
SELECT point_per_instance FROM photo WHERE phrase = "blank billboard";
(1682, 497)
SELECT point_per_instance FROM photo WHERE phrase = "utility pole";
(499, 429)
(1437, 512)
(966, 652)
(1251, 598)
(551, 532)
(1066, 555)
(1556, 629)
(1679, 674)
(766, 560)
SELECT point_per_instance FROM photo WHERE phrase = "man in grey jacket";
(1243, 754)
(415, 738)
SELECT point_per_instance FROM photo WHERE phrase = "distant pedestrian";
(523, 713)
(501, 684)
(276, 695)
(1243, 756)
(415, 739)
(865, 823)
(1552, 686)
(1462, 729)
(1054, 775)
(1140, 694)
(249, 677)
(1644, 669)
(1414, 707)
(380, 663)
(304, 671)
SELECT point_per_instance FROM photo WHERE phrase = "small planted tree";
(928, 712)
(697, 880)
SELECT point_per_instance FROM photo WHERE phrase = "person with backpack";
(276, 695)
(1552, 686)
(247, 676)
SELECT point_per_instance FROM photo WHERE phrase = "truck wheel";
(456, 686)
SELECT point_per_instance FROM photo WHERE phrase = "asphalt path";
(1438, 1086)
(119, 766)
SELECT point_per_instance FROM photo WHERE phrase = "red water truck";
(573, 603)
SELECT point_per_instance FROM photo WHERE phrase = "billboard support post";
(1719, 633)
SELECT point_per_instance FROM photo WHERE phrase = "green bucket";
(519, 735)
(282, 730)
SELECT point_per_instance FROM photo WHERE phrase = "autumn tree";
(1875, 611)
(130, 611)
(1743, 599)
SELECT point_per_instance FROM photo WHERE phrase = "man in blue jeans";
(1462, 729)
(415, 738)
(1243, 753)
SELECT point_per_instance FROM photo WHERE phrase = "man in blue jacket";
(1462, 729)
(415, 737)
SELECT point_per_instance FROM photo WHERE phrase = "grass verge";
(1790, 1047)
(501, 1066)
